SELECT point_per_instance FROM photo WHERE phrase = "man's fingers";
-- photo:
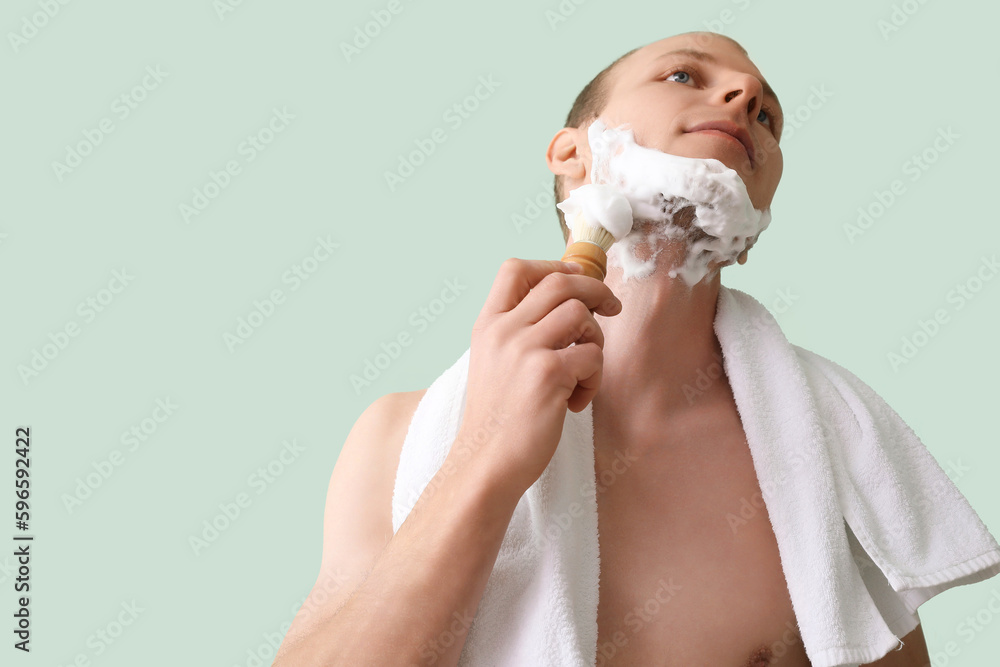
(570, 322)
(516, 278)
(586, 363)
(554, 289)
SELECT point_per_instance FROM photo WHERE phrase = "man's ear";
(563, 156)
(742, 259)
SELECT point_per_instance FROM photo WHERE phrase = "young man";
(385, 596)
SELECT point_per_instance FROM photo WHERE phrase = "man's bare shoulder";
(398, 407)
(359, 499)
(357, 522)
(390, 416)
(406, 400)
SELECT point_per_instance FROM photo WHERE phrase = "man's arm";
(384, 599)
(357, 520)
(913, 654)
(536, 351)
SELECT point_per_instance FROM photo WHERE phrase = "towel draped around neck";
(868, 525)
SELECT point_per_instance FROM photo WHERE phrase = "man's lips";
(731, 129)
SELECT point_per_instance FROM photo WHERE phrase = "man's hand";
(537, 351)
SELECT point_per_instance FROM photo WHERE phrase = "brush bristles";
(584, 231)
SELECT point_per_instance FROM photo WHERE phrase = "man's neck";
(655, 348)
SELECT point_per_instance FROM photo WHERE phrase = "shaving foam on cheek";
(601, 206)
(657, 186)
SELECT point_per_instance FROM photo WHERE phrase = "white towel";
(868, 525)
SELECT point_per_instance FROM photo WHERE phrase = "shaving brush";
(599, 215)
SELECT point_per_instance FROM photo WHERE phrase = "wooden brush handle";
(590, 256)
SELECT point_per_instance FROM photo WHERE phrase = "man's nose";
(751, 100)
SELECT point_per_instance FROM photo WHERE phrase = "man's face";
(663, 93)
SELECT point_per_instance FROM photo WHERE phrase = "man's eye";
(766, 113)
(680, 72)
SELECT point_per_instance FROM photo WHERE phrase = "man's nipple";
(760, 658)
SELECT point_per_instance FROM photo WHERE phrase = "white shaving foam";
(600, 206)
(658, 185)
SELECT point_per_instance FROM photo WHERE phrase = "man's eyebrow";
(708, 57)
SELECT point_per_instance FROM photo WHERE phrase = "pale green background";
(162, 336)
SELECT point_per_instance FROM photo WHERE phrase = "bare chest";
(690, 571)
